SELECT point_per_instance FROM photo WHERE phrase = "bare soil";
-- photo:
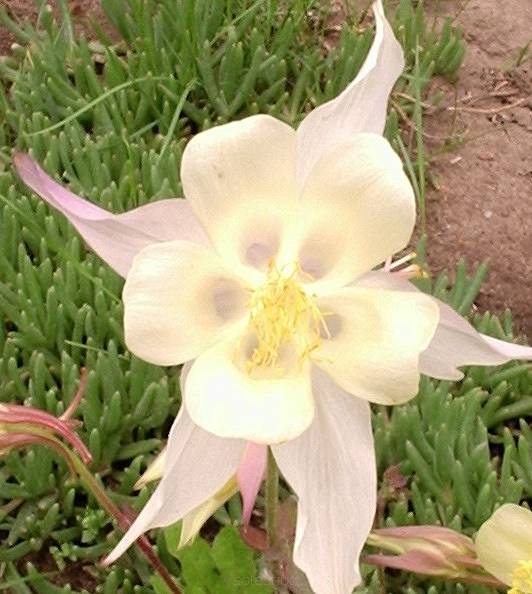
(83, 11)
(483, 207)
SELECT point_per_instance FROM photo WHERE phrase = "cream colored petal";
(194, 520)
(455, 343)
(154, 472)
(504, 540)
(376, 339)
(359, 209)
(239, 179)
(361, 107)
(178, 300)
(223, 398)
(331, 468)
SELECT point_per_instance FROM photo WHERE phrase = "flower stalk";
(272, 500)
(272, 523)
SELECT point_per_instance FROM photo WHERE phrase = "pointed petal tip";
(154, 471)
(28, 169)
(347, 114)
(250, 475)
(127, 540)
(23, 163)
(115, 554)
(106, 561)
(141, 483)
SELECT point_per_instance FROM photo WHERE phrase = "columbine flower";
(504, 547)
(261, 284)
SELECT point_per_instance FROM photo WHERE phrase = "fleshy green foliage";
(439, 53)
(115, 116)
(227, 566)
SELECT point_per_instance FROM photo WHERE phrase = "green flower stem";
(272, 500)
(272, 520)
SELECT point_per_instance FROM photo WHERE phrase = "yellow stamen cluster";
(522, 578)
(282, 313)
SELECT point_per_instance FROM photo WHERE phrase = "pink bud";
(16, 419)
(22, 425)
(424, 562)
(428, 550)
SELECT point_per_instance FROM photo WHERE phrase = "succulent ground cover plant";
(121, 144)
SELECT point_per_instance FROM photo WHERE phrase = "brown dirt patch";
(76, 574)
(483, 207)
(83, 12)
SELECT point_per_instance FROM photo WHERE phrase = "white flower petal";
(223, 398)
(361, 107)
(115, 238)
(178, 300)
(240, 181)
(456, 342)
(198, 464)
(155, 470)
(504, 540)
(376, 339)
(359, 209)
(331, 468)
(509, 350)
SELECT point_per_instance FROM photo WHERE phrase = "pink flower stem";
(78, 467)
(16, 419)
(73, 406)
(123, 522)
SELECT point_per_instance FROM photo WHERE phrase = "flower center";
(283, 314)
(522, 578)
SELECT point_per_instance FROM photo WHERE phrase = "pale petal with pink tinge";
(115, 238)
(179, 299)
(421, 562)
(331, 468)
(250, 475)
(198, 464)
(376, 337)
(361, 107)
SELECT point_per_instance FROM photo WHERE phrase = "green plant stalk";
(272, 500)
(272, 521)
